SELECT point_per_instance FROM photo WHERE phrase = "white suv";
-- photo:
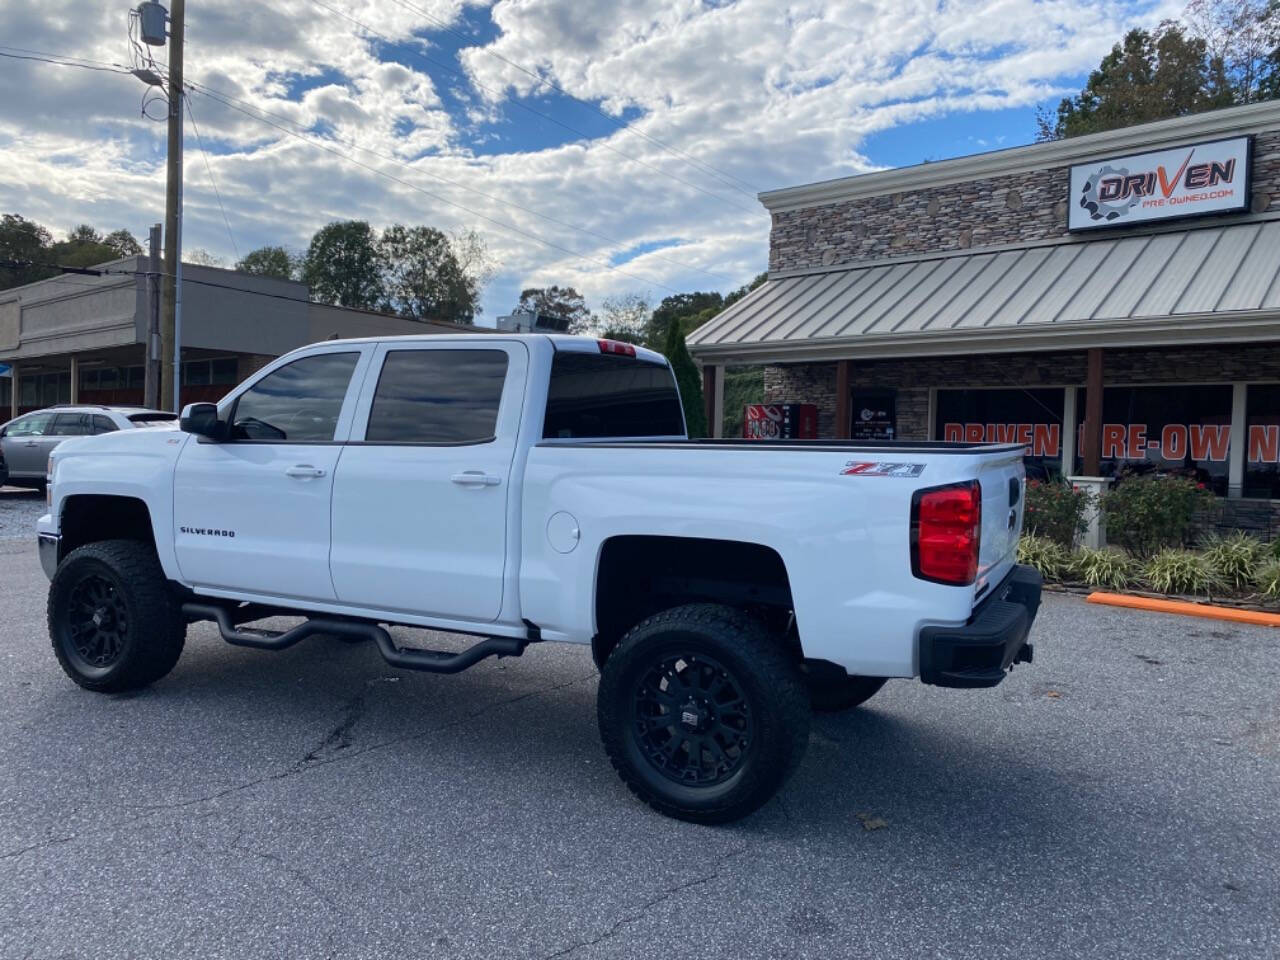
(27, 441)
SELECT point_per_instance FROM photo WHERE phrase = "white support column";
(13, 399)
(75, 379)
(1239, 440)
(1069, 432)
(717, 406)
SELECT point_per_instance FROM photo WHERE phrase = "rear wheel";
(703, 713)
(112, 621)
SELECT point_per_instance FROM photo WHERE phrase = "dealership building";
(1106, 300)
(82, 339)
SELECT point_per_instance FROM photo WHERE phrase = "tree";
(342, 266)
(1149, 76)
(1227, 52)
(84, 247)
(1240, 37)
(732, 298)
(688, 380)
(624, 318)
(269, 262)
(423, 277)
(566, 303)
(23, 240)
(676, 306)
(201, 257)
(123, 243)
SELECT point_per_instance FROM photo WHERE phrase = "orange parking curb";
(1208, 611)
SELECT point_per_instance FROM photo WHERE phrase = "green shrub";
(1267, 579)
(1236, 558)
(1182, 571)
(1147, 513)
(1108, 567)
(1056, 511)
(1048, 556)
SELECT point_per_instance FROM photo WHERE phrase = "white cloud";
(758, 94)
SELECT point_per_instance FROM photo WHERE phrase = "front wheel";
(113, 623)
(703, 713)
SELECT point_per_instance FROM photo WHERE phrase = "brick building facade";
(958, 296)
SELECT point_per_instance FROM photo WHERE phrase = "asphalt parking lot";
(1118, 798)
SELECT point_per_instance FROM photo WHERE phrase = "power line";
(218, 94)
(64, 63)
(212, 182)
(435, 196)
(620, 123)
(524, 106)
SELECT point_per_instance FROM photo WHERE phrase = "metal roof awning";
(1179, 286)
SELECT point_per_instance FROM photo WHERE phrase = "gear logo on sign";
(1099, 209)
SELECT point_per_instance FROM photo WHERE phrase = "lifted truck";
(530, 489)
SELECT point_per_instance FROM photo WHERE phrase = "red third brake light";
(615, 346)
(946, 527)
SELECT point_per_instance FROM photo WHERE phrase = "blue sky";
(448, 116)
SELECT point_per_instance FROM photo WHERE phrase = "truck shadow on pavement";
(523, 729)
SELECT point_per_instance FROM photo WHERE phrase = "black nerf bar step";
(407, 658)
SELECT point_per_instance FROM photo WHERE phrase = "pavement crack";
(643, 910)
(321, 761)
(339, 738)
(37, 846)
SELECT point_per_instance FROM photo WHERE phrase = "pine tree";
(688, 380)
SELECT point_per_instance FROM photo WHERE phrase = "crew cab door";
(421, 496)
(251, 514)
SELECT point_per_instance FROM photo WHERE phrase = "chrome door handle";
(304, 471)
(32, 443)
(475, 478)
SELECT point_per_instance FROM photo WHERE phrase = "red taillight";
(616, 346)
(946, 527)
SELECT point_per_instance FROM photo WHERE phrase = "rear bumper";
(980, 652)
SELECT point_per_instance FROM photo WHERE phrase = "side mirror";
(202, 420)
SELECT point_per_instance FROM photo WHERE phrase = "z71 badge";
(883, 468)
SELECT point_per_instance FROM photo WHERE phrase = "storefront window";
(1185, 429)
(1262, 457)
(1030, 417)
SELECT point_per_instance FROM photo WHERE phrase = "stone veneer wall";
(912, 378)
(1014, 208)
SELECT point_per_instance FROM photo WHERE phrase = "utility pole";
(171, 319)
(151, 391)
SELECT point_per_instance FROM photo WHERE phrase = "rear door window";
(608, 395)
(298, 403)
(103, 424)
(438, 397)
(72, 425)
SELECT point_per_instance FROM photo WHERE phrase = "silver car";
(27, 441)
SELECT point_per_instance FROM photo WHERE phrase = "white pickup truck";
(525, 489)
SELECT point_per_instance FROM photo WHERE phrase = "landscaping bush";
(1267, 579)
(1236, 558)
(1056, 511)
(1048, 556)
(1147, 513)
(1182, 571)
(1108, 567)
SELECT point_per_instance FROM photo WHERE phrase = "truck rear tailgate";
(1003, 479)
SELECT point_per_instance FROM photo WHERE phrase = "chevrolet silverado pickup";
(527, 489)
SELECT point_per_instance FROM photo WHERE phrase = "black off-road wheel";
(703, 713)
(112, 620)
(832, 690)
